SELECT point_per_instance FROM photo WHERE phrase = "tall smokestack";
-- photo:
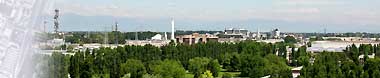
(172, 34)
(258, 35)
(166, 36)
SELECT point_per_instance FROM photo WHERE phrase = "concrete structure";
(172, 34)
(50, 52)
(165, 36)
(196, 38)
(348, 39)
(289, 54)
(157, 40)
(271, 40)
(56, 42)
(157, 43)
(232, 35)
(236, 33)
(296, 71)
(157, 37)
(258, 36)
(335, 46)
(230, 40)
(361, 57)
(275, 34)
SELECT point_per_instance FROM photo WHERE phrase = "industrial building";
(232, 35)
(196, 38)
(235, 33)
(157, 40)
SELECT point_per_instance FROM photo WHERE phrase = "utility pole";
(44, 29)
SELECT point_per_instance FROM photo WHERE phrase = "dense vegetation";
(345, 65)
(245, 59)
(198, 60)
(98, 37)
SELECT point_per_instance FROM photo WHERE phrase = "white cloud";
(310, 2)
(89, 10)
(313, 11)
(353, 16)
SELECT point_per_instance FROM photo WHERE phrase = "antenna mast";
(56, 23)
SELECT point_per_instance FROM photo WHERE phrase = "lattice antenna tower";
(56, 23)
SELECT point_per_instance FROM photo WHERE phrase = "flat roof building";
(196, 38)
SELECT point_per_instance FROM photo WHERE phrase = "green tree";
(135, 67)
(277, 67)
(198, 65)
(303, 61)
(207, 74)
(227, 75)
(290, 39)
(214, 67)
(253, 67)
(375, 73)
(234, 63)
(168, 69)
(57, 66)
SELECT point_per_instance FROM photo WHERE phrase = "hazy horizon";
(216, 15)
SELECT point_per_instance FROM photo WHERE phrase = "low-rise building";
(196, 38)
(334, 46)
(157, 43)
(271, 40)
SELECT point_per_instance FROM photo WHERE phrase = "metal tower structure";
(56, 23)
(116, 25)
(116, 34)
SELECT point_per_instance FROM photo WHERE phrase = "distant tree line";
(112, 37)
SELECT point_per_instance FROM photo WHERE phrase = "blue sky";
(287, 15)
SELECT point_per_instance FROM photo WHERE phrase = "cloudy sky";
(287, 15)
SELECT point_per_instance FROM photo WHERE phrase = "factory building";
(196, 38)
(236, 33)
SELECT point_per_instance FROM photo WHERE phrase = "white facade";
(271, 40)
(275, 33)
(334, 46)
(296, 71)
(157, 37)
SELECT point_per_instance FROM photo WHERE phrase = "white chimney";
(172, 34)
(166, 36)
